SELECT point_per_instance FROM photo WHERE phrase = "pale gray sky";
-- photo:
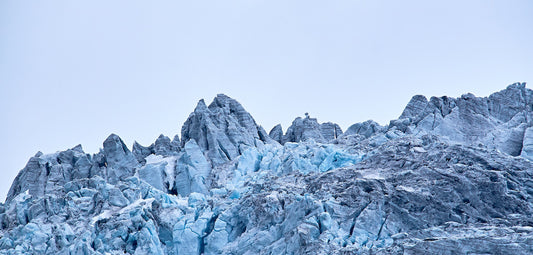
(72, 72)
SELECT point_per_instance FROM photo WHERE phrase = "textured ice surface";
(497, 122)
(451, 175)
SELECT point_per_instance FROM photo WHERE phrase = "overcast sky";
(72, 72)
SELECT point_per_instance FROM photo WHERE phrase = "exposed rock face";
(444, 178)
(223, 129)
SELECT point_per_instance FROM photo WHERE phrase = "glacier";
(449, 176)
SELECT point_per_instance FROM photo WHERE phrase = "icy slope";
(445, 178)
(498, 121)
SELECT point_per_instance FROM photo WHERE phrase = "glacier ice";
(303, 129)
(527, 148)
(450, 174)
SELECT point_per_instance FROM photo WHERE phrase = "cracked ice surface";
(451, 174)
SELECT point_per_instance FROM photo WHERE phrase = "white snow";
(109, 213)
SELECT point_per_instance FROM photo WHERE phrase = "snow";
(106, 214)
(405, 188)
(419, 149)
(102, 216)
(372, 175)
(142, 203)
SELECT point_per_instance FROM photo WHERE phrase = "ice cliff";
(449, 176)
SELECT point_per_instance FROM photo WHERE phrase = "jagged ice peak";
(450, 174)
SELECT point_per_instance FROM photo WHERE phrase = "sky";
(73, 72)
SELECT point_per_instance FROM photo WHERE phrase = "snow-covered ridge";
(450, 173)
